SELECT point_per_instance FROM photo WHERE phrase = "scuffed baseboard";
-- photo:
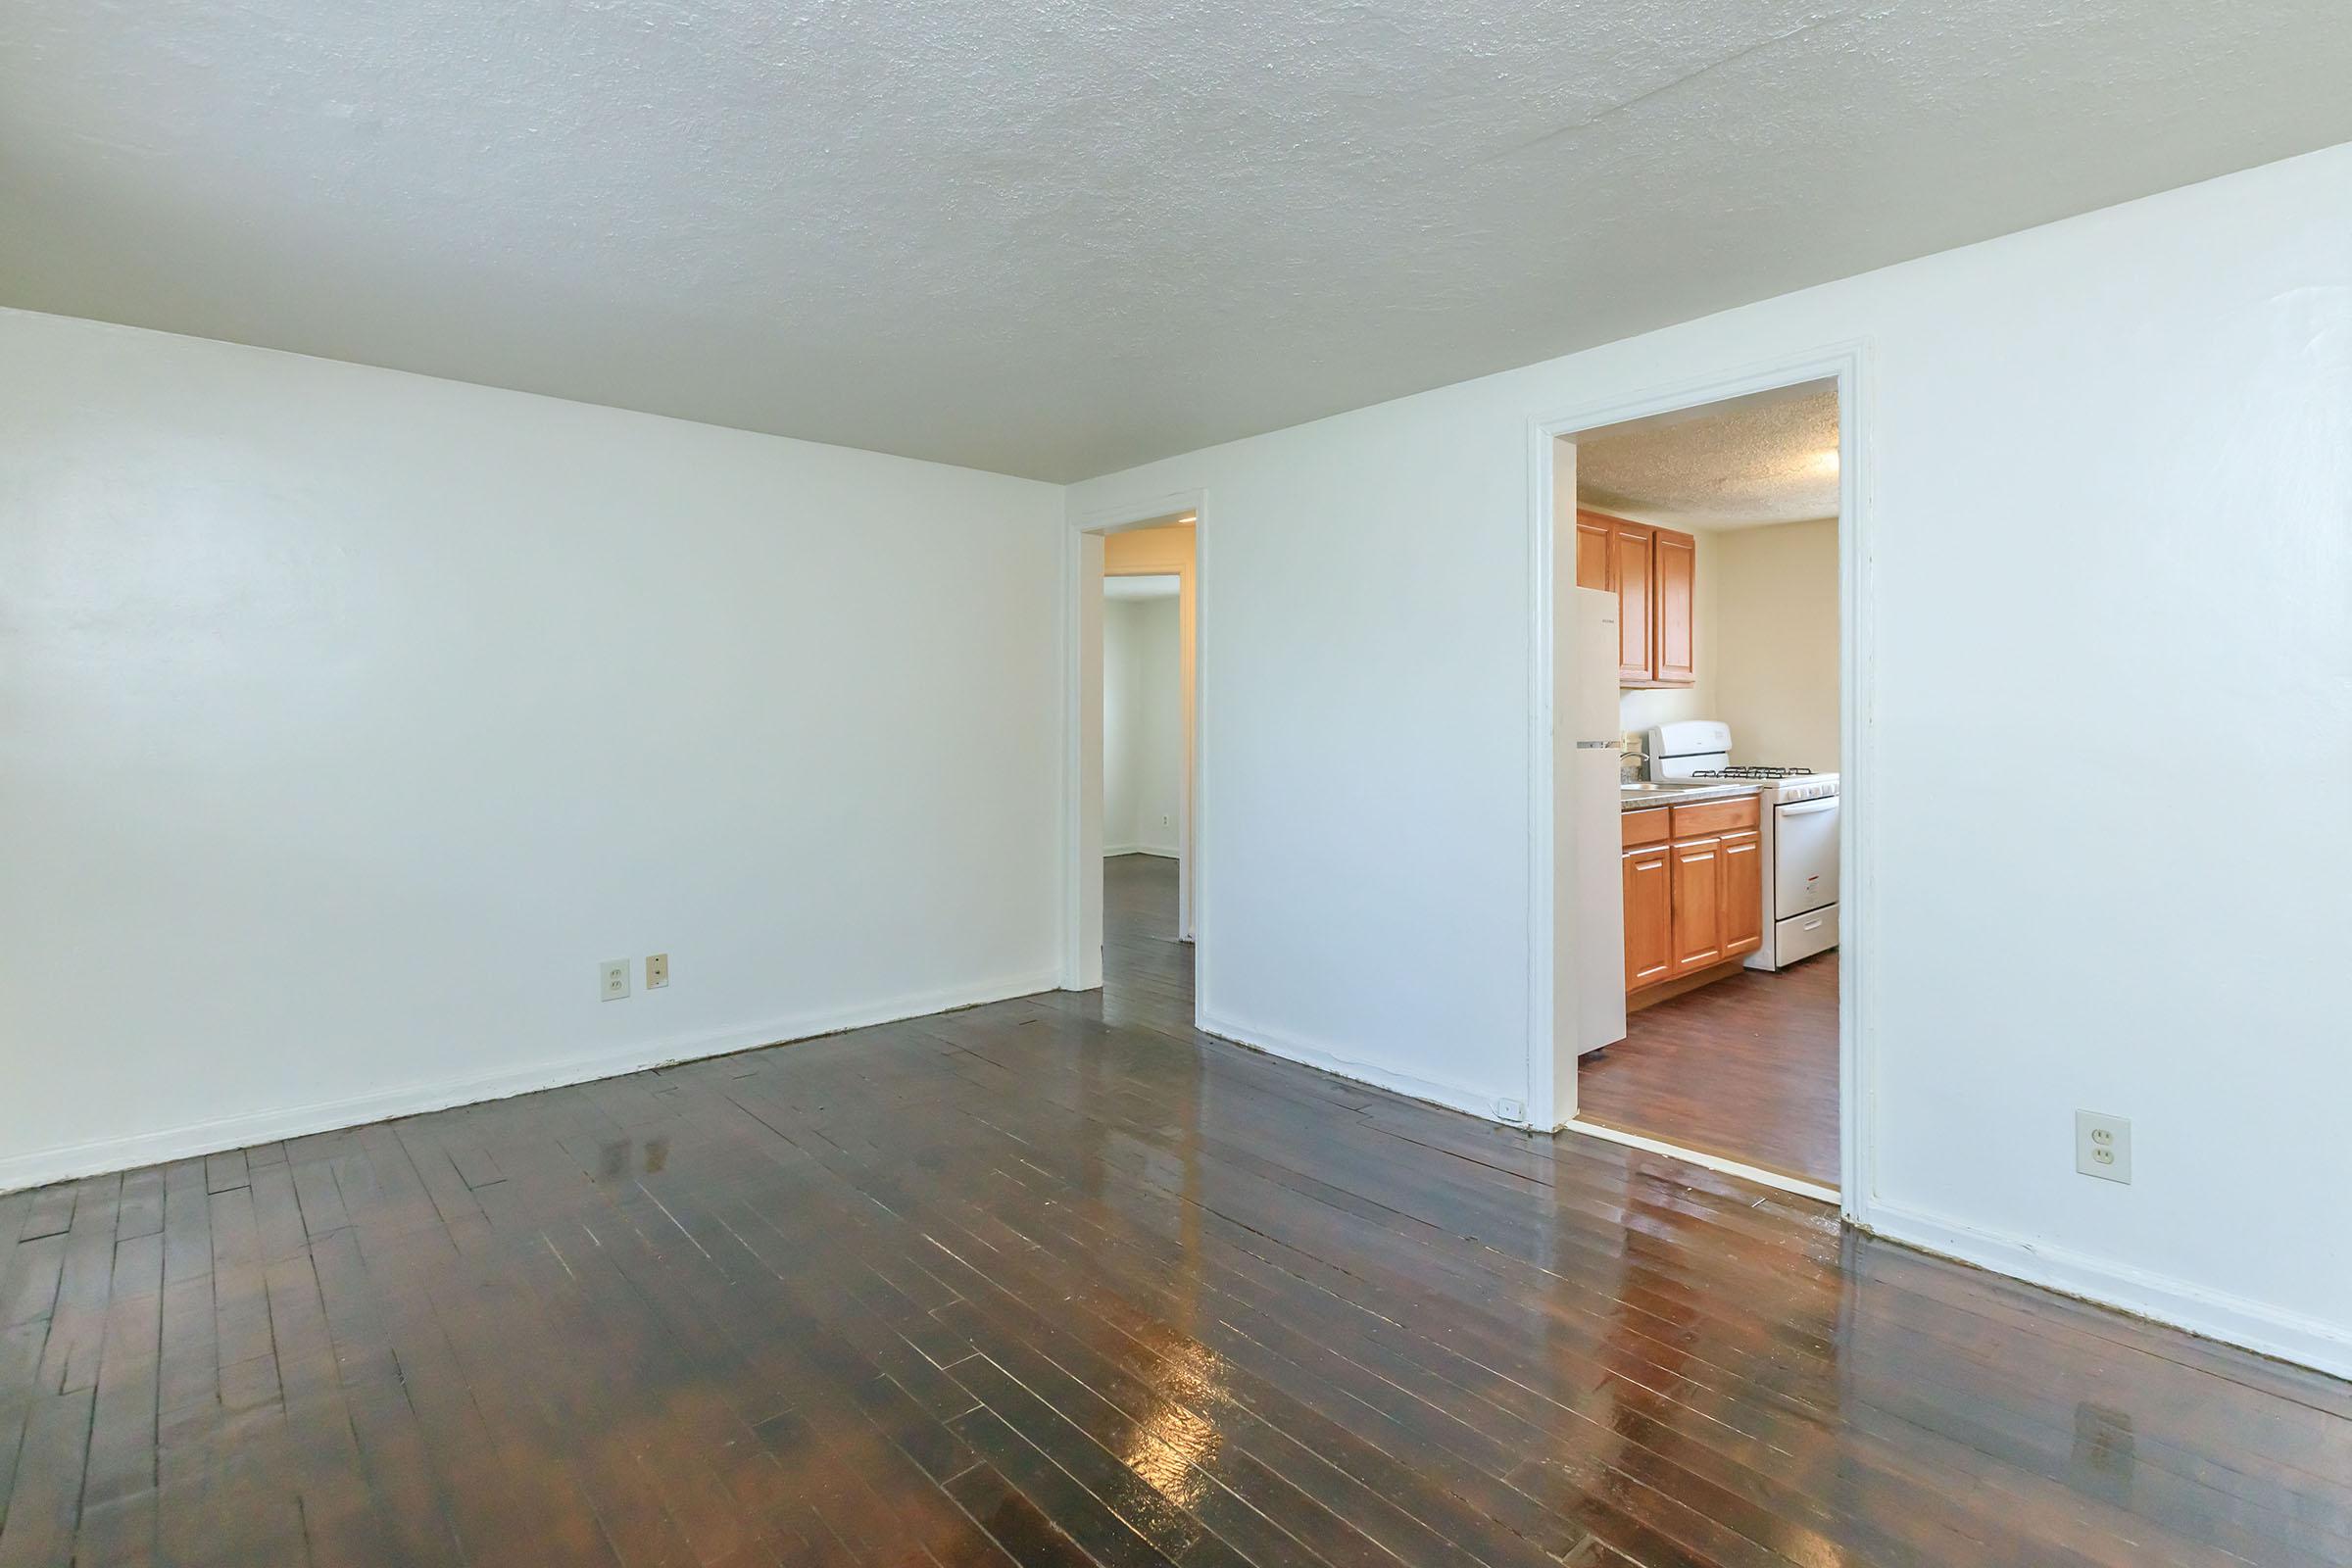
(66, 1162)
(2177, 1304)
(1453, 1096)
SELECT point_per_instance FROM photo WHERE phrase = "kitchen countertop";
(1643, 800)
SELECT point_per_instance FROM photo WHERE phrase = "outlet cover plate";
(657, 971)
(2103, 1145)
(613, 979)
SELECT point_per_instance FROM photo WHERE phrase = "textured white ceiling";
(1743, 462)
(1055, 237)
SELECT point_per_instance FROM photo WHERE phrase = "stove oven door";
(1804, 869)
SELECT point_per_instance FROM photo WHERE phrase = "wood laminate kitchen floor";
(1745, 1068)
(1058, 1281)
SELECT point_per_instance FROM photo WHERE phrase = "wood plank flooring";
(1059, 1282)
(1745, 1068)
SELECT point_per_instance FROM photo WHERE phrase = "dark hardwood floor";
(1058, 1281)
(1745, 1068)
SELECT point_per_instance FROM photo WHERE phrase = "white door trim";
(1851, 365)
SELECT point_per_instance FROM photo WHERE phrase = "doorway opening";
(1143, 765)
(1133, 838)
(1701, 652)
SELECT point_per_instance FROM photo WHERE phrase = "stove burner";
(1751, 773)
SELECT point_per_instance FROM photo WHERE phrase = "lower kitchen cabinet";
(1742, 894)
(1693, 890)
(1648, 917)
(1697, 905)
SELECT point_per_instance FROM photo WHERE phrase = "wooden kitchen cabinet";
(1742, 894)
(1591, 551)
(1697, 893)
(1693, 880)
(1674, 642)
(1631, 569)
(1654, 574)
(1648, 917)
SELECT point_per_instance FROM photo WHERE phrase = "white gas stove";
(1799, 826)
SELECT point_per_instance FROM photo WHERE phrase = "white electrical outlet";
(613, 979)
(1510, 1110)
(657, 971)
(2103, 1145)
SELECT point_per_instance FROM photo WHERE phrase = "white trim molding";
(70, 1161)
(2176, 1304)
(1328, 1059)
(1849, 365)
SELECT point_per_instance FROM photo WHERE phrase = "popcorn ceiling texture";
(1739, 463)
(1056, 239)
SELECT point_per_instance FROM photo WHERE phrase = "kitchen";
(1708, 541)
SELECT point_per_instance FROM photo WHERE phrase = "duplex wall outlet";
(657, 971)
(613, 979)
(2103, 1145)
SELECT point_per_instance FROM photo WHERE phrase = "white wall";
(2108, 466)
(348, 719)
(1143, 727)
(1774, 665)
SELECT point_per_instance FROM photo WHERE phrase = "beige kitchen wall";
(1772, 673)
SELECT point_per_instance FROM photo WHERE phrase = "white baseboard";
(70, 1161)
(1453, 1096)
(2213, 1314)
(1110, 850)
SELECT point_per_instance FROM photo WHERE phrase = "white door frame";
(1849, 365)
(1082, 734)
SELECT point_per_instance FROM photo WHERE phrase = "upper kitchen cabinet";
(1654, 574)
(1674, 568)
(1591, 550)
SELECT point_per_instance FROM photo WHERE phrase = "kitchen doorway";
(1702, 589)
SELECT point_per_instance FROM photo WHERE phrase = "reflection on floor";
(1058, 1281)
(1745, 1068)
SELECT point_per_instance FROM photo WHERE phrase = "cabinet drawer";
(1714, 816)
(1645, 827)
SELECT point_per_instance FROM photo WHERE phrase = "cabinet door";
(1674, 656)
(1742, 894)
(1697, 894)
(1632, 552)
(1592, 551)
(1648, 917)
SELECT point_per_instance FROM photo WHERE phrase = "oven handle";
(1803, 807)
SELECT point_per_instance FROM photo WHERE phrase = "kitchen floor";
(1745, 1068)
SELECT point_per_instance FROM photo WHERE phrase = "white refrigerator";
(1588, 911)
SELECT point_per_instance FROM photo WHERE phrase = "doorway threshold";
(1760, 1175)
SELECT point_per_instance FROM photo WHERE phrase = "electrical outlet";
(613, 979)
(1510, 1110)
(657, 971)
(2103, 1145)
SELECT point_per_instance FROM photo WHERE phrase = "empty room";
(1341, 786)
